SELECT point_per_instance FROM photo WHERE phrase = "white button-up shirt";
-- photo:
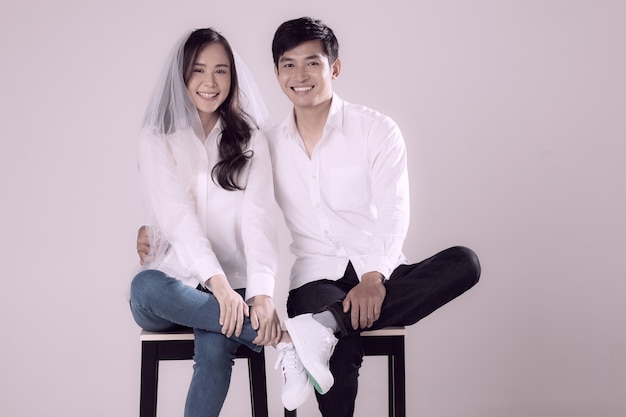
(206, 229)
(350, 200)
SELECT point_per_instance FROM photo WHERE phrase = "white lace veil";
(171, 110)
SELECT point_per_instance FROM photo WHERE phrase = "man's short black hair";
(294, 32)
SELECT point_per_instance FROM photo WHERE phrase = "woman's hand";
(233, 308)
(265, 321)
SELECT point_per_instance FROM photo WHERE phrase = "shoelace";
(288, 360)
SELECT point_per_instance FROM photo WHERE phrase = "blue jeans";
(413, 292)
(161, 303)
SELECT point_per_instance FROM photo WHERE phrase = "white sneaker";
(296, 384)
(315, 344)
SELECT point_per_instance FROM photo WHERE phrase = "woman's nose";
(209, 79)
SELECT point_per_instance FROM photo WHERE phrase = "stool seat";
(389, 342)
(183, 334)
(386, 331)
(179, 345)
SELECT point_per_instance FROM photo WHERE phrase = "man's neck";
(310, 122)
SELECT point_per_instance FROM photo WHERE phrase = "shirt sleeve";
(259, 222)
(173, 207)
(390, 191)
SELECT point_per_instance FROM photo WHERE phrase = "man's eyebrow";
(314, 56)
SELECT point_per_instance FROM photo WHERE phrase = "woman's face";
(209, 82)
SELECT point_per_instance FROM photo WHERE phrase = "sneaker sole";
(315, 384)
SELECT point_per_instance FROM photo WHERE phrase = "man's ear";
(276, 70)
(335, 69)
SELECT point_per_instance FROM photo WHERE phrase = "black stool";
(386, 342)
(156, 347)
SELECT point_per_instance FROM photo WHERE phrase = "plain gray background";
(513, 114)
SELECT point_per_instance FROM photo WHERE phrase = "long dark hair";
(236, 131)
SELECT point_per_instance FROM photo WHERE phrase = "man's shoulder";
(277, 130)
(273, 130)
(363, 114)
(277, 135)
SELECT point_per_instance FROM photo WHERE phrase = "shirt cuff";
(381, 264)
(207, 268)
(259, 285)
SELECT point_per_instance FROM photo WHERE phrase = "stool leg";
(391, 387)
(258, 384)
(149, 379)
(397, 387)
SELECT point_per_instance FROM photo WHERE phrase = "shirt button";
(326, 232)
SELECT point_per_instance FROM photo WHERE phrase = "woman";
(207, 183)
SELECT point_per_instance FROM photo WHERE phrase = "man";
(341, 180)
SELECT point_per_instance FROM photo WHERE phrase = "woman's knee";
(144, 282)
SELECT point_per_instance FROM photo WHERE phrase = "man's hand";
(143, 244)
(232, 306)
(265, 321)
(365, 300)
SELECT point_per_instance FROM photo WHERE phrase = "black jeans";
(413, 292)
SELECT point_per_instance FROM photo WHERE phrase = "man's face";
(305, 75)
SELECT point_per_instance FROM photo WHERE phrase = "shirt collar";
(335, 114)
(217, 129)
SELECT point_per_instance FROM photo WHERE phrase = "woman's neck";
(208, 122)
